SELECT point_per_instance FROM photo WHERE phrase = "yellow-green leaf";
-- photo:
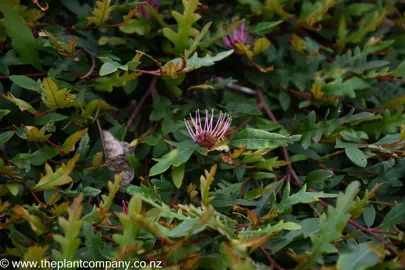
(13, 188)
(260, 45)
(402, 134)
(35, 135)
(60, 177)
(297, 43)
(22, 105)
(316, 91)
(95, 106)
(55, 98)
(97, 161)
(69, 144)
(7, 170)
(395, 102)
(101, 13)
(35, 222)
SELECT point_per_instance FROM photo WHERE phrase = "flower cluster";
(207, 135)
(125, 207)
(238, 36)
(154, 4)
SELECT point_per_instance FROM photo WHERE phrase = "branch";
(151, 88)
(263, 105)
(93, 63)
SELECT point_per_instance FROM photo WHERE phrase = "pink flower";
(155, 5)
(207, 135)
(238, 35)
(124, 207)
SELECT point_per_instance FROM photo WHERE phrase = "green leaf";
(285, 100)
(300, 197)
(356, 156)
(4, 113)
(369, 214)
(400, 70)
(178, 175)
(362, 256)
(175, 157)
(255, 5)
(111, 67)
(21, 35)
(26, 83)
(263, 28)
(195, 62)
(395, 216)
(257, 139)
(90, 192)
(22, 105)
(316, 179)
(51, 117)
(23, 161)
(43, 154)
(5, 136)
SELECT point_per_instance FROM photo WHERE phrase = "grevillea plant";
(193, 134)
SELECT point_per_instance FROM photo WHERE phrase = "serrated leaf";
(21, 35)
(300, 197)
(100, 13)
(69, 242)
(55, 98)
(181, 39)
(60, 177)
(7, 170)
(36, 135)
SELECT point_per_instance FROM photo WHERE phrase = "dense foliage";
(304, 170)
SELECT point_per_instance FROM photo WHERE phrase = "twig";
(383, 203)
(152, 86)
(43, 205)
(273, 263)
(244, 123)
(93, 63)
(263, 105)
(240, 88)
(176, 196)
(41, 7)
